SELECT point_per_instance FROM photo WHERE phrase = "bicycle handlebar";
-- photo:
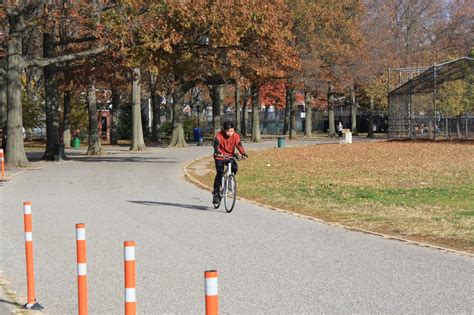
(228, 157)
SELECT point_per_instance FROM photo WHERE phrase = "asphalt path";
(268, 262)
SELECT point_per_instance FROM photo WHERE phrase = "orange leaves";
(327, 34)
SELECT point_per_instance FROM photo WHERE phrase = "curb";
(350, 228)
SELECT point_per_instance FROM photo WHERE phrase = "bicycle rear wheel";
(230, 193)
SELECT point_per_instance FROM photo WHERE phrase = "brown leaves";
(379, 166)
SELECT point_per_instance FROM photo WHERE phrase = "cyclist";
(225, 143)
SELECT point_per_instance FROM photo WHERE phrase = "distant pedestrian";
(339, 129)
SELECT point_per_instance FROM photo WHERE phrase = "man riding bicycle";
(225, 143)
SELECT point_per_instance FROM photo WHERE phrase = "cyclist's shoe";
(216, 198)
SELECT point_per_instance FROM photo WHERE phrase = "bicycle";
(228, 188)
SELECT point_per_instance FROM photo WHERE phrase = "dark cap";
(228, 125)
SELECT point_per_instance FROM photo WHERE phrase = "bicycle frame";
(227, 173)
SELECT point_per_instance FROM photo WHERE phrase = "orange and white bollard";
(30, 274)
(212, 301)
(130, 283)
(81, 268)
(3, 165)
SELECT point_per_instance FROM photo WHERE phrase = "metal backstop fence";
(415, 109)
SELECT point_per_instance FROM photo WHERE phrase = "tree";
(291, 91)
(237, 108)
(332, 127)
(95, 147)
(32, 100)
(138, 143)
(308, 100)
(255, 113)
(328, 35)
(156, 108)
(114, 123)
(410, 34)
(177, 134)
(3, 91)
(126, 30)
(245, 112)
(455, 98)
(65, 28)
(16, 63)
(217, 96)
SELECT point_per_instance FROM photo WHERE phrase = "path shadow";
(12, 303)
(177, 205)
(113, 157)
(122, 159)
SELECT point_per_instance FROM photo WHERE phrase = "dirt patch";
(201, 167)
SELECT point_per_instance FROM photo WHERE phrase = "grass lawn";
(421, 191)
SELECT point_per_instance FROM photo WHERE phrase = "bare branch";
(75, 40)
(31, 7)
(42, 62)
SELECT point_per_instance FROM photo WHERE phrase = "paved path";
(269, 262)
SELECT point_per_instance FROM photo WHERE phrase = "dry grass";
(420, 191)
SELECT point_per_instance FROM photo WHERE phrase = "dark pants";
(220, 173)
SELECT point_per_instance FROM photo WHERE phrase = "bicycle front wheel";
(230, 193)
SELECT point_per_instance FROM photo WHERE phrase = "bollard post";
(3, 165)
(212, 302)
(81, 268)
(30, 274)
(130, 284)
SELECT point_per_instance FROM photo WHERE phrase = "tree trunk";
(155, 104)
(286, 122)
(114, 116)
(446, 127)
(177, 133)
(169, 108)
(353, 112)
(309, 115)
(52, 99)
(237, 108)
(67, 119)
(370, 134)
(245, 113)
(293, 112)
(332, 125)
(458, 127)
(3, 92)
(430, 130)
(95, 148)
(217, 108)
(138, 144)
(15, 151)
(255, 114)
(265, 117)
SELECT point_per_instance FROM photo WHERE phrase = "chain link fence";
(415, 110)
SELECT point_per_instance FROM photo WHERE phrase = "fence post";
(212, 302)
(130, 283)
(81, 268)
(30, 274)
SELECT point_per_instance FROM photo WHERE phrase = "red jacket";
(227, 145)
